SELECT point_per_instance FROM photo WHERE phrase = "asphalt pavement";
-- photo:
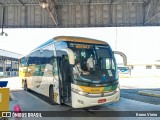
(29, 101)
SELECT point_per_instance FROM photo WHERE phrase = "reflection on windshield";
(93, 64)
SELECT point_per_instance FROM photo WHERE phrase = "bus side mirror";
(123, 56)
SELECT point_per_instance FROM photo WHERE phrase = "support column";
(4, 67)
(11, 72)
(1, 66)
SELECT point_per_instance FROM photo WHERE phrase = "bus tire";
(51, 95)
(25, 85)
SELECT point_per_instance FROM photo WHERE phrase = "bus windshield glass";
(93, 63)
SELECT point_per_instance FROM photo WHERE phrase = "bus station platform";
(153, 93)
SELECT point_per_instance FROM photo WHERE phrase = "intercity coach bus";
(50, 70)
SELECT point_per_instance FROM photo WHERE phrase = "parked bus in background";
(51, 69)
(23, 70)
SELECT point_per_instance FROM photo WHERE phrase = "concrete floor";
(29, 102)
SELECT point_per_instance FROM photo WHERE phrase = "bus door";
(65, 77)
(65, 57)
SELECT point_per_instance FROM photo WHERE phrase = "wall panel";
(83, 14)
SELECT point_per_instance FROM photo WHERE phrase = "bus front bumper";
(81, 101)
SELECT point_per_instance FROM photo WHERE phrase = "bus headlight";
(80, 92)
(117, 89)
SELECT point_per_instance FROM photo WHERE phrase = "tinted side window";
(48, 54)
(32, 58)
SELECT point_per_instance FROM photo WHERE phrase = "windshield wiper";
(83, 79)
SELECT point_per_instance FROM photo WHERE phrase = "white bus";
(50, 70)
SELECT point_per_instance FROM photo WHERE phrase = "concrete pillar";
(11, 72)
(1, 64)
(4, 67)
(17, 66)
(1, 67)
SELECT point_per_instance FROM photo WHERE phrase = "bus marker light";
(101, 100)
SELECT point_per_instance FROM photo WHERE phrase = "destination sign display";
(80, 46)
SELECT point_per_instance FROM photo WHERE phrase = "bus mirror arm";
(123, 56)
(70, 55)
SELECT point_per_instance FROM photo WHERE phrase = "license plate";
(101, 100)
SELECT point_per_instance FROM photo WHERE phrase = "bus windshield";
(93, 64)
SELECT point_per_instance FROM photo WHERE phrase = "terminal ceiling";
(78, 13)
